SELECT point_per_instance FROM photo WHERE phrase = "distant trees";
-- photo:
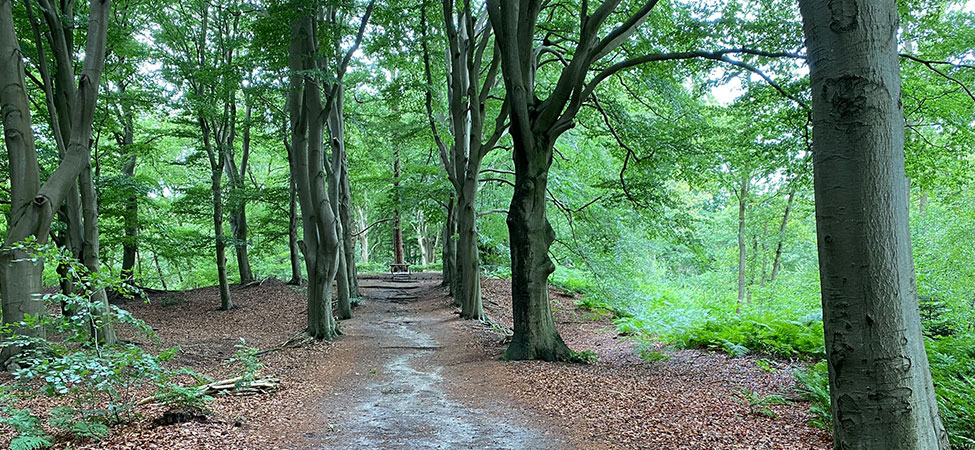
(880, 381)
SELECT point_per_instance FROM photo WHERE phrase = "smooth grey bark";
(450, 250)
(335, 123)
(880, 382)
(362, 235)
(319, 243)
(216, 176)
(33, 205)
(236, 177)
(293, 226)
(468, 57)
(105, 332)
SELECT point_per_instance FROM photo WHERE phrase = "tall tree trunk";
(293, 226)
(105, 331)
(130, 220)
(130, 239)
(238, 217)
(742, 256)
(226, 303)
(468, 266)
(345, 218)
(880, 382)
(531, 235)
(398, 257)
(33, 205)
(336, 131)
(780, 240)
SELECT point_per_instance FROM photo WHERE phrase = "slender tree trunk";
(336, 131)
(162, 278)
(345, 218)
(450, 276)
(880, 382)
(363, 236)
(105, 332)
(238, 217)
(780, 241)
(398, 257)
(226, 303)
(293, 226)
(130, 239)
(742, 256)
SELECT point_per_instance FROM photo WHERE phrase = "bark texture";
(535, 125)
(880, 382)
(33, 205)
(468, 40)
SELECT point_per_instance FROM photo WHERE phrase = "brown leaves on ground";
(690, 401)
(265, 316)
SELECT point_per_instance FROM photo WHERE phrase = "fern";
(814, 388)
(30, 442)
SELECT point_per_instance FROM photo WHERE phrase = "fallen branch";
(236, 385)
(256, 283)
(298, 340)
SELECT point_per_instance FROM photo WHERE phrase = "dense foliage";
(672, 172)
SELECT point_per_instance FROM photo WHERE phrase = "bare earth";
(408, 373)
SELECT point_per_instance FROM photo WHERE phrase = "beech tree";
(470, 53)
(880, 382)
(321, 242)
(33, 204)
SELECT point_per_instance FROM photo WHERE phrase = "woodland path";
(407, 387)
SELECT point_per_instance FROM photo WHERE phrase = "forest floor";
(408, 373)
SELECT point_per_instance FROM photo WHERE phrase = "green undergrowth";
(783, 321)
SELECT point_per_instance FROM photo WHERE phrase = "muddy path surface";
(407, 382)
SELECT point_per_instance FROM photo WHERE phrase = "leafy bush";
(99, 381)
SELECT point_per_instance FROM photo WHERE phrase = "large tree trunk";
(880, 382)
(33, 205)
(321, 241)
(531, 235)
(468, 266)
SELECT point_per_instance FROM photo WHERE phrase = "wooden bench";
(399, 268)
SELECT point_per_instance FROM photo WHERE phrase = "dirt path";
(406, 386)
